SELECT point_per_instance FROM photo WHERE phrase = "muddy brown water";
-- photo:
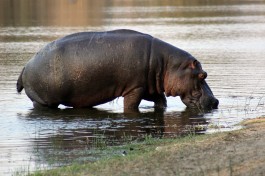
(227, 37)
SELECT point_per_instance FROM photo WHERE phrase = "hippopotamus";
(86, 69)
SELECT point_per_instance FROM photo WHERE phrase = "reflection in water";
(227, 37)
(51, 13)
(96, 13)
(69, 132)
(114, 125)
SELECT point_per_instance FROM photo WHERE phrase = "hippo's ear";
(202, 75)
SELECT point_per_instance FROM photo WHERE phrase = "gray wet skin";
(90, 68)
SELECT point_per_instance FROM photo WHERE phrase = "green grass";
(126, 156)
(148, 155)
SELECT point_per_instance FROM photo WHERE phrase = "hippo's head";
(187, 80)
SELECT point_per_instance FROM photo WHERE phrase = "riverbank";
(240, 152)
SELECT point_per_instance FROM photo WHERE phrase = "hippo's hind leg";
(39, 103)
(44, 106)
(133, 99)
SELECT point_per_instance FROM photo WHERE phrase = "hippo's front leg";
(133, 99)
(159, 100)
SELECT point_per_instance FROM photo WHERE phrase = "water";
(227, 37)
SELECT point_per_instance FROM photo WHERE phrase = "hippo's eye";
(193, 65)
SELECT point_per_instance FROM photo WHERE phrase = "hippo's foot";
(41, 106)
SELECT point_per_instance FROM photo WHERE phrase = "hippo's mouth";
(200, 103)
(200, 98)
(192, 103)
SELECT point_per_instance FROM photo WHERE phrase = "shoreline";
(239, 152)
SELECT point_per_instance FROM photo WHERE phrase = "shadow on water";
(78, 133)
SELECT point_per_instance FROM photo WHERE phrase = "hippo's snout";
(204, 101)
(209, 102)
(215, 104)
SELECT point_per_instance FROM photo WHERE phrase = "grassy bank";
(228, 153)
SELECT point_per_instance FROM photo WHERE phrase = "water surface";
(228, 38)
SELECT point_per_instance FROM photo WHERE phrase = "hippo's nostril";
(215, 104)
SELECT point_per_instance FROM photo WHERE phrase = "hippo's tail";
(20, 82)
